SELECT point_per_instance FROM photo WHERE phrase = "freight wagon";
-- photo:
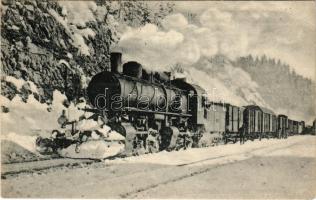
(301, 127)
(282, 125)
(259, 122)
(234, 122)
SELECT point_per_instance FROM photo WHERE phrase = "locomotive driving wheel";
(184, 141)
(152, 142)
(169, 138)
(188, 141)
(138, 146)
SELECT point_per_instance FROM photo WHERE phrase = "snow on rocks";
(31, 117)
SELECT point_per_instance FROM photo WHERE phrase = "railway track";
(135, 177)
(232, 157)
(36, 166)
(14, 169)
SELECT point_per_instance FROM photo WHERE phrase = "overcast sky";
(285, 30)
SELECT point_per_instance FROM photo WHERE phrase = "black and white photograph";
(158, 99)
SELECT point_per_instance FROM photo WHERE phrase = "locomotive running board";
(156, 112)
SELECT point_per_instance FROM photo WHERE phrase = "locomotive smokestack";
(116, 62)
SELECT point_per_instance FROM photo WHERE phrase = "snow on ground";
(212, 155)
(12, 152)
(306, 151)
(261, 176)
(25, 141)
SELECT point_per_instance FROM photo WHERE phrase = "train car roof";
(187, 86)
(229, 104)
(265, 110)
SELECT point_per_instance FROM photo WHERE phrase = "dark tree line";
(279, 84)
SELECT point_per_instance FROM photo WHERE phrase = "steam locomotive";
(156, 113)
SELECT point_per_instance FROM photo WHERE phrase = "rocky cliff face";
(46, 43)
(36, 46)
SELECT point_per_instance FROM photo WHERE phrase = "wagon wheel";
(196, 138)
(195, 141)
(139, 148)
(252, 138)
(165, 139)
(152, 144)
(188, 142)
(225, 138)
(246, 137)
(235, 140)
(219, 140)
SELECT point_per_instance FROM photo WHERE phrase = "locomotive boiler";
(115, 92)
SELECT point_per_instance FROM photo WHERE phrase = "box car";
(251, 121)
(282, 125)
(234, 121)
(214, 123)
(290, 128)
(214, 116)
(269, 123)
(301, 127)
(295, 127)
(259, 122)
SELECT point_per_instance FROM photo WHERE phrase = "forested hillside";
(264, 81)
(279, 85)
